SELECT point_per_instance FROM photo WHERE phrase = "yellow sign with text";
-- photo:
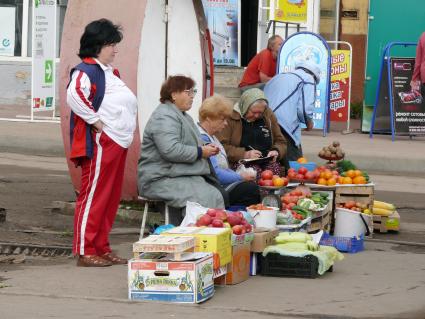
(340, 66)
(291, 11)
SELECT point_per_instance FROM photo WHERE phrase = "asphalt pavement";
(387, 280)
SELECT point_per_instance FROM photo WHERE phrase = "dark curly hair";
(96, 35)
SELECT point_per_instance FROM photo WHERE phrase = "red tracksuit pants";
(97, 204)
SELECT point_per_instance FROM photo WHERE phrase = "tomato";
(267, 174)
(302, 170)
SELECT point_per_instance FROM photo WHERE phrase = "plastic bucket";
(264, 218)
(349, 223)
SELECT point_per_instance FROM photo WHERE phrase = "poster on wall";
(7, 31)
(223, 23)
(43, 55)
(340, 85)
(308, 46)
(291, 11)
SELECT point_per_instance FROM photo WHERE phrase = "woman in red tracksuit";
(103, 121)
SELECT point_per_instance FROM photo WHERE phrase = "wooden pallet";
(385, 223)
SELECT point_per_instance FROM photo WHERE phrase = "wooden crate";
(322, 221)
(383, 224)
(167, 244)
(364, 194)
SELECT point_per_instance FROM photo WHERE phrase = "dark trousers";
(293, 152)
(244, 194)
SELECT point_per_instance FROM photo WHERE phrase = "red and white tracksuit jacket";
(102, 175)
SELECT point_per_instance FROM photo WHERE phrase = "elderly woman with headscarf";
(253, 132)
(214, 115)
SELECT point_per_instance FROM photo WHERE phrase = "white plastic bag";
(242, 170)
(193, 210)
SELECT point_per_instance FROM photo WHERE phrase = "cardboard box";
(263, 239)
(238, 270)
(208, 239)
(171, 281)
(155, 243)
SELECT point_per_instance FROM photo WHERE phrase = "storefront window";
(13, 30)
(10, 27)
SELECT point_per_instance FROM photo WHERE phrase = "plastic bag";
(242, 170)
(193, 210)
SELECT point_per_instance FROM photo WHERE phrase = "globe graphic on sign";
(303, 53)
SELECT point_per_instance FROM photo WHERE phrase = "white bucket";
(264, 218)
(348, 223)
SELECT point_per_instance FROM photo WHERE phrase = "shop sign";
(7, 31)
(223, 23)
(291, 11)
(340, 85)
(43, 55)
(308, 46)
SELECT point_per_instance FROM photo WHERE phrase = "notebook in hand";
(260, 160)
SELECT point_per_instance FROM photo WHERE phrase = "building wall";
(16, 83)
(354, 31)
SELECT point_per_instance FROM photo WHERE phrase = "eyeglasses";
(191, 91)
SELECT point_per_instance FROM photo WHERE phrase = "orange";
(359, 180)
(350, 173)
(331, 181)
(328, 174)
(322, 181)
(340, 180)
(347, 180)
(358, 172)
(302, 160)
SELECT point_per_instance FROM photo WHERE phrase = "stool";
(145, 212)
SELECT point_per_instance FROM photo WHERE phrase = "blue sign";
(223, 22)
(308, 46)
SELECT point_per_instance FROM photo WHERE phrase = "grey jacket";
(169, 167)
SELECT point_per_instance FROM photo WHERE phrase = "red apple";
(233, 219)
(285, 181)
(204, 220)
(248, 228)
(221, 214)
(291, 170)
(267, 174)
(261, 182)
(212, 212)
(237, 229)
(292, 175)
(217, 223)
(299, 176)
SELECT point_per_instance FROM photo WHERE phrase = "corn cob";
(381, 211)
(384, 205)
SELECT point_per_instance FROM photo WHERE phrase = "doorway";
(249, 25)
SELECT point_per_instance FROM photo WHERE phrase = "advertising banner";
(399, 110)
(292, 11)
(307, 46)
(43, 55)
(340, 85)
(223, 23)
(409, 106)
(7, 31)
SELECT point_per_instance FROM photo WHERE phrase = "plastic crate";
(345, 244)
(277, 265)
(311, 166)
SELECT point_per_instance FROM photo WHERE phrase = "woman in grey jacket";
(173, 164)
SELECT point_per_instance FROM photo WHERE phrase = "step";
(227, 76)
